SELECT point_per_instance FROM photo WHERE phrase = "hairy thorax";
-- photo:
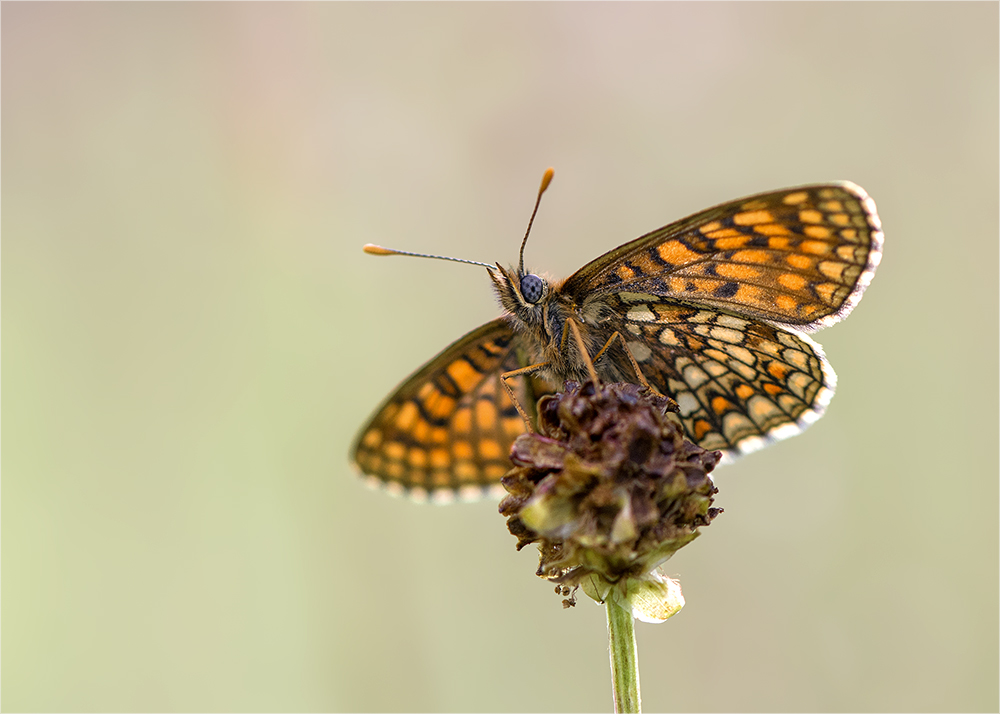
(550, 339)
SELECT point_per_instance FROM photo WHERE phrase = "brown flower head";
(609, 489)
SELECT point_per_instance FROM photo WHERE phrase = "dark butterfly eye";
(531, 288)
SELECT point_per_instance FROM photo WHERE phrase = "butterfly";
(713, 310)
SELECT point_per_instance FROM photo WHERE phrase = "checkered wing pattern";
(446, 432)
(714, 307)
(739, 383)
(800, 257)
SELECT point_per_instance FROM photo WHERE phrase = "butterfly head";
(522, 295)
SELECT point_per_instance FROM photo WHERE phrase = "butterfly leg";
(521, 372)
(571, 324)
(673, 406)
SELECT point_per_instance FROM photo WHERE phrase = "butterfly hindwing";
(739, 383)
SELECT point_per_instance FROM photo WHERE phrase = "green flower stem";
(624, 657)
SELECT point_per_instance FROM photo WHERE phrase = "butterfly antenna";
(546, 180)
(379, 250)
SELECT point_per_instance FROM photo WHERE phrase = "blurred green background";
(192, 335)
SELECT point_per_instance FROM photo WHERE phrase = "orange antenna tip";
(373, 249)
(546, 179)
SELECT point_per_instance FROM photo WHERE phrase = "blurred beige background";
(192, 335)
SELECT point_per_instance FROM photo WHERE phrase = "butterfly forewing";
(799, 257)
(447, 430)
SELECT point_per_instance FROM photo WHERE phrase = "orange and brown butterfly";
(713, 309)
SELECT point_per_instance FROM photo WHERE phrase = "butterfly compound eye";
(531, 288)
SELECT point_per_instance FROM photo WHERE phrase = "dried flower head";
(609, 489)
